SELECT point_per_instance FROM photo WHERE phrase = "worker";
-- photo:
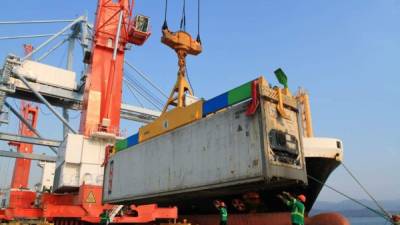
(104, 218)
(296, 205)
(223, 212)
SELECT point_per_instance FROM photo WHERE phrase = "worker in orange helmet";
(296, 205)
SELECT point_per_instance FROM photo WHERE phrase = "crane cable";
(144, 89)
(188, 78)
(183, 26)
(134, 95)
(183, 18)
(146, 78)
(365, 190)
(198, 22)
(352, 199)
(141, 94)
(165, 25)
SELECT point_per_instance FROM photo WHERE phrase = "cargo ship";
(243, 147)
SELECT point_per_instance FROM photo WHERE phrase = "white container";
(223, 154)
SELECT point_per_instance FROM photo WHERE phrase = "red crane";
(20, 196)
(114, 29)
(22, 166)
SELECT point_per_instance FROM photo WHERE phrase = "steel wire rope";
(146, 78)
(27, 36)
(183, 18)
(146, 98)
(365, 190)
(137, 82)
(35, 21)
(352, 199)
(134, 95)
(144, 89)
(188, 78)
(47, 112)
(198, 22)
(143, 92)
(62, 57)
(165, 25)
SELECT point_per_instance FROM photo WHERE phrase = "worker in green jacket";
(223, 212)
(296, 205)
(104, 218)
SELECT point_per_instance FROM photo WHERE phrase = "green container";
(239, 94)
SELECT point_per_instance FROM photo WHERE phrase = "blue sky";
(345, 53)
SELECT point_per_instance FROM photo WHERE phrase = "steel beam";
(25, 36)
(44, 101)
(34, 21)
(20, 117)
(51, 50)
(70, 62)
(138, 114)
(35, 92)
(77, 20)
(67, 98)
(72, 100)
(55, 95)
(27, 156)
(29, 140)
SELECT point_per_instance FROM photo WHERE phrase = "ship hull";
(317, 167)
(276, 214)
(267, 219)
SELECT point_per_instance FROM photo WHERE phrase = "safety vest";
(104, 218)
(224, 214)
(297, 214)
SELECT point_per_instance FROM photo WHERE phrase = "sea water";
(367, 221)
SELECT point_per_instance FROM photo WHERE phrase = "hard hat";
(302, 198)
(222, 204)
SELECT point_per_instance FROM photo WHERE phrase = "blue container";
(215, 104)
(133, 140)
